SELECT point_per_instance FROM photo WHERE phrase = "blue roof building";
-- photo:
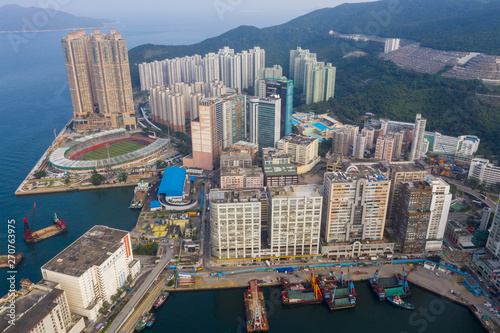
(172, 183)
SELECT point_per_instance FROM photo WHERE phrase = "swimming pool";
(321, 127)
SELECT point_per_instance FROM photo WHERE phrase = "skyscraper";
(236, 223)
(383, 148)
(423, 212)
(418, 137)
(315, 79)
(358, 150)
(265, 121)
(340, 142)
(295, 220)
(275, 72)
(221, 123)
(284, 89)
(355, 204)
(99, 81)
(391, 44)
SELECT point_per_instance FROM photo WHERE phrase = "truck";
(268, 263)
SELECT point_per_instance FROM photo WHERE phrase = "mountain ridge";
(15, 18)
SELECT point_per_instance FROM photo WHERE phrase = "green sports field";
(116, 149)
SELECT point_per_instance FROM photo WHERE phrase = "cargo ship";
(390, 286)
(161, 299)
(10, 260)
(31, 236)
(140, 193)
(397, 301)
(297, 293)
(255, 308)
(337, 293)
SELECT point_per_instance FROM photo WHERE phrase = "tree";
(160, 164)
(295, 129)
(96, 178)
(105, 305)
(40, 174)
(113, 298)
(67, 180)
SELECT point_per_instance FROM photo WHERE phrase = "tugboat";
(397, 301)
(143, 322)
(151, 321)
(161, 299)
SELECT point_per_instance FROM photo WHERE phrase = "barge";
(395, 285)
(337, 293)
(30, 236)
(297, 293)
(255, 309)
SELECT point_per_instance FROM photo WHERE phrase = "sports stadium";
(114, 148)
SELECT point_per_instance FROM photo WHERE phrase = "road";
(130, 306)
(475, 194)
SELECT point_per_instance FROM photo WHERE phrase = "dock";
(255, 309)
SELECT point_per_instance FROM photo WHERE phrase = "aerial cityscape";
(168, 175)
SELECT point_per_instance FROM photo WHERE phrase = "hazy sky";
(184, 21)
(220, 12)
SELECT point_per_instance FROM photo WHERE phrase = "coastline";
(73, 189)
(413, 277)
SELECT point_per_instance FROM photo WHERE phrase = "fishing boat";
(143, 322)
(161, 299)
(140, 193)
(397, 301)
(151, 321)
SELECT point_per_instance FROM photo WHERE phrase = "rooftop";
(279, 170)
(354, 172)
(91, 249)
(295, 191)
(237, 195)
(30, 309)
(298, 139)
(172, 182)
(238, 171)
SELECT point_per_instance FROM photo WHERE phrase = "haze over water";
(34, 99)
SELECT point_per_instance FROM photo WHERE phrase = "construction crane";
(454, 167)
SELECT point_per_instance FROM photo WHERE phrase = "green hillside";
(369, 84)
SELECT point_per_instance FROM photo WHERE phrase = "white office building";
(93, 268)
(295, 220)
(236, 222)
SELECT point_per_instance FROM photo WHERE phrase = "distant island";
(14, 18)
